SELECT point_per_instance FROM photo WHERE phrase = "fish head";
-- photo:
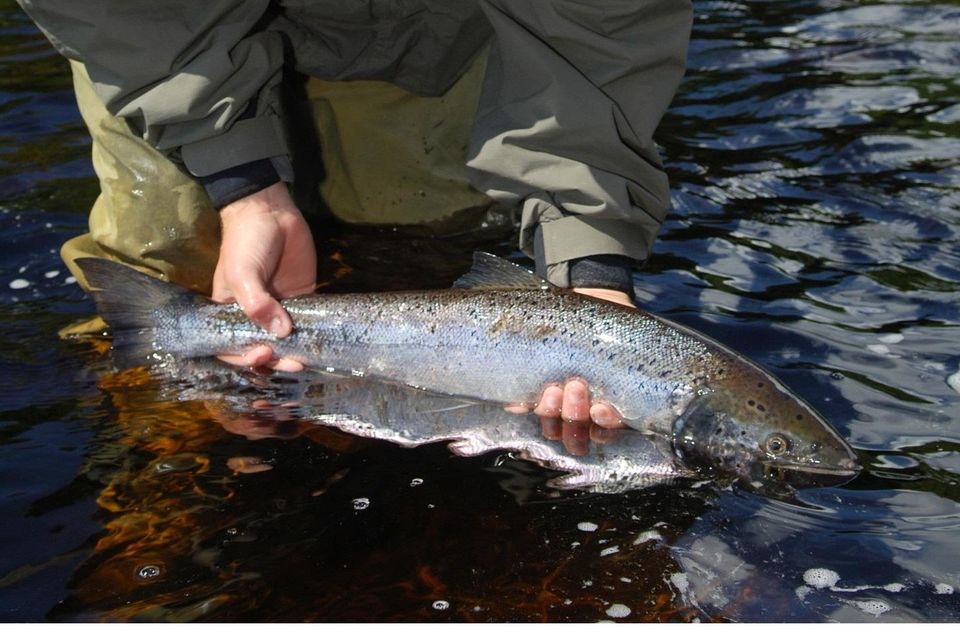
(757, 431)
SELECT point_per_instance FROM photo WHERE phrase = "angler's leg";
(150, 212)
(393, 157)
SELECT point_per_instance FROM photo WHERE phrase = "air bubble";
(19, 283)
(441, 605)
(873, 607)
(618, 611)
(587, 526)
(821, 578)
(360, 504)
(416, 482)
(148, 571)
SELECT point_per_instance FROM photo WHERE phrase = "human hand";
(266, 254)
(566, 410)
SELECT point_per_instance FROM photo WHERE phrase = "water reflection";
(351, 529)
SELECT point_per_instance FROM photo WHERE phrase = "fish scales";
(501, 335)
(499, 346)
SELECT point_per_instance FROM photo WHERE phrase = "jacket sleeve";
(196, 79)
(573, 93)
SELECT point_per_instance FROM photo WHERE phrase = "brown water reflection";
(344, 529)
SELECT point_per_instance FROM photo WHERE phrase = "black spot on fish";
(761, 408)
(751, 402)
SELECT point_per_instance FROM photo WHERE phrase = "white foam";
(894, 587)
(618, 610)
(874, 607)
(803, 591)
(609, 550)
(647, 536)
(680, 581)
(879, 349)
(821, 578)
(891, 338)
(51, 274)
(19, 283)
(943, 589)
(587, 526)
(954, 381)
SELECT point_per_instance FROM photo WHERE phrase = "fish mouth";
(800, 474)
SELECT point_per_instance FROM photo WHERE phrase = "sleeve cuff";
(603, 272)
(229, 185)
(247, 140)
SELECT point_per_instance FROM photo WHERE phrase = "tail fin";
(129, 301)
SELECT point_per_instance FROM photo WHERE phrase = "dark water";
(814, 153)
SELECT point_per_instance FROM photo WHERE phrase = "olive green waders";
(389, 158)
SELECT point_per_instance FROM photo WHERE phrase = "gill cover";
(720, 434)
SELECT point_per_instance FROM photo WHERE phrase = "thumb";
(263, 309)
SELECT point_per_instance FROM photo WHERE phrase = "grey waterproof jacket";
(573, 91)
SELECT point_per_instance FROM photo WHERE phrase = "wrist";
(274, 198)
(611, 295)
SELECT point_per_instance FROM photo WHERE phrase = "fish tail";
(128, 301)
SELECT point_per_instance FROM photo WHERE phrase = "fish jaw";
(751, 428)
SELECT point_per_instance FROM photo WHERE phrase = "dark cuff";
(231, 184)
(603, 272)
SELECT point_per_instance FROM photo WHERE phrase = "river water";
(813, 151)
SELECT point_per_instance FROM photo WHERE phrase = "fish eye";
(776, 444)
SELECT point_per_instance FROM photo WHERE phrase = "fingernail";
(602, 416)
(276, 326)
(597, 416)
(576, 391)
(552, 402)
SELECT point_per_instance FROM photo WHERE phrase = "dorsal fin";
(490, 272)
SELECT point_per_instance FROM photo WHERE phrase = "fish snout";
(714, 436)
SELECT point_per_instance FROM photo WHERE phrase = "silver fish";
(498, 337)
(412, 417)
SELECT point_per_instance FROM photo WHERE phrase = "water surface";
(814, 154)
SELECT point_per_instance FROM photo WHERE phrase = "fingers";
(244, 284)
(576, 401)
(568, 414)
(262, 356)
(262, 308)
(551, 402)
(605, 416)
